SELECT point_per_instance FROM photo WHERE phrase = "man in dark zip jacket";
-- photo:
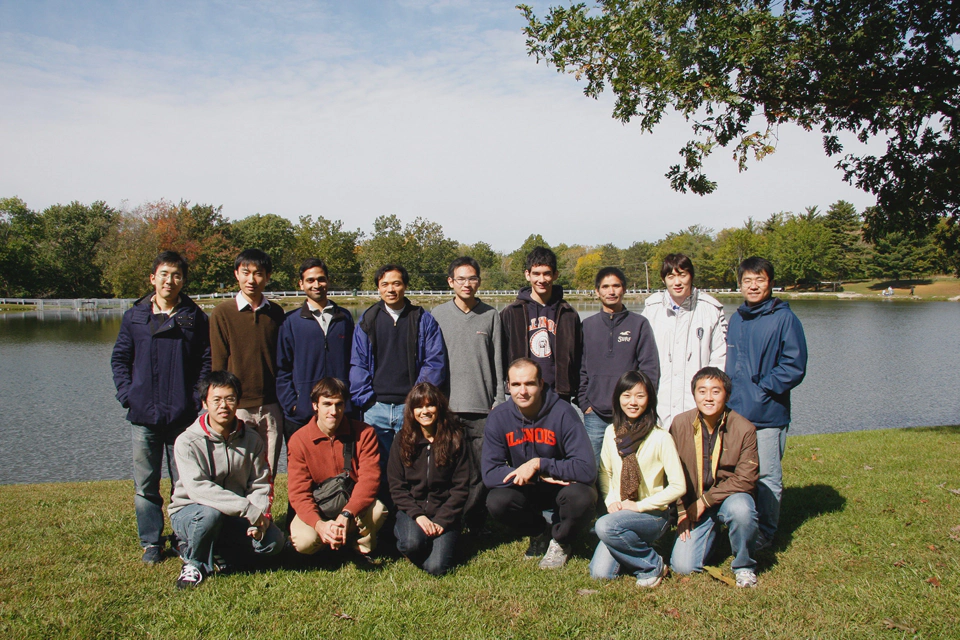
(766, 358)
(537, 457)
(162, 351)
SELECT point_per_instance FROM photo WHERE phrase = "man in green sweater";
(243, 341)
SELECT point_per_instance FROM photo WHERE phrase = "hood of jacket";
(556, 295)
(770, 305)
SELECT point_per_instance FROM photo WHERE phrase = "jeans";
(625, 539)
(267, 419)
(522, 507)
(596, 426)
(771, 443)
(202, 527)
(386, 420)
(150, 443)
(739, 513)
(433, 555)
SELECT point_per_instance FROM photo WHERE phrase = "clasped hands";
(527, 472)
(333, 533)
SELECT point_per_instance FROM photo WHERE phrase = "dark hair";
(677, 261)
(449, 435)
(609, 271)
(173, 258)
(392, 267)
(463, 261)
(219, 379)
(256, 257)
(648, 419)
(716, 374)
(755, 264)
(541, 256)
(519, 362)
(328, 387)
(313, 263)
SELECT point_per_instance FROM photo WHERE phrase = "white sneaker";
(556, 555)
(746, 578)
(650, 583)
(190, 576)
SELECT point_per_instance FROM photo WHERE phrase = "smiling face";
(610, 293)
(711, 397)
(167, 282)
(756, 287)
(392, 289)
(314, 285)
(679, 285)
(541, 279)
(634, 401)
(426, 416)
(253, 280)
(329, 413)
(221, 405)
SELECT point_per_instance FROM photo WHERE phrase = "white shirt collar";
(243, 303)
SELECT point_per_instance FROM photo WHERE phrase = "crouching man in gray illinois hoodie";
(221, 502)
(537, 457)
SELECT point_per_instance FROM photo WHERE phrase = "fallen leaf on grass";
(892, 624)
(900, 563)
(933, 581)
(717, 574)
(586, 592)
(342, 616)
(923, 501)
(955, 529)
(953, 537)
(932, 547)
(684, 579)
(672, 613)
(955, 492)
(867, 467)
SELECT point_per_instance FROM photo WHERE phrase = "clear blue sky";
(351, 110)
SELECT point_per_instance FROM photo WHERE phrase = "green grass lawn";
(869, 547)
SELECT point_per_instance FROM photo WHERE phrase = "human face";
(525, 388)
(167, 282)
(253, 280)
(541, 279)
(465, 282)
(392, 289)
(679, 284)
(221, 406)
(634, 401)
(610, 293)
(756, 287)
(426, 416)
(314, 285)
(711, 397)
(329, 413)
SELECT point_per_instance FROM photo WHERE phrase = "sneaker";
(763, 543)
(538, 546)
(653, 581)
(152, 554)
(746, 578)
(190, 576)
(556, 555)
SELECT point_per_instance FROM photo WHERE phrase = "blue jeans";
(202, 527)
(625, 539)
(771, 443)
(596, 426)
(739, 513)
(433, 555)
(150, 443)
(386, 420)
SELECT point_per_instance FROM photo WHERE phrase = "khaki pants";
(267, 419)
(362, 534)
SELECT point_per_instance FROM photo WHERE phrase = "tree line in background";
(78, 250)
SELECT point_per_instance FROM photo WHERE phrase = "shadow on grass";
(798, 505)
(948, 430)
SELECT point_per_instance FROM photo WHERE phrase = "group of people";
(433, 420)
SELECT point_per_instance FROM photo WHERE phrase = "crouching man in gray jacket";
(223, 494)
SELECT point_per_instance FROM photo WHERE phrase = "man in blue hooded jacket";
(766, 358)
(537, 457)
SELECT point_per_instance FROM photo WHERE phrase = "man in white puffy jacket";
(691, 333)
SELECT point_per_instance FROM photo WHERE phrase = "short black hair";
(755, 264)
(313, 263)
(716, 374)
(256, 257)
(173, 258)
(463, 261)
(392, 267)
(219, 379)
(677, 261)
(609, 271)
(541, 256)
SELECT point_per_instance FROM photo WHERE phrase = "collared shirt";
(157, 310)
(323, 316)
(243, 303)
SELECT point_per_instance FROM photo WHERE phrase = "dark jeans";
(475, 510)
(150, 445)
(522, 508)
(204, 528)
(433, 555)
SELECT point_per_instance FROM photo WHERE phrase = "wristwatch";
(346, 514)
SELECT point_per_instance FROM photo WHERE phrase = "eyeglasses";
(229, 401)
(463, 281)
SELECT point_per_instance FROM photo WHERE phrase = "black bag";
(332, 494)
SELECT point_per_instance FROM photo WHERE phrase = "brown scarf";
(629, 439)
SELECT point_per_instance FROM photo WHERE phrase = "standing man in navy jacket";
(162, 351)
(766, 358)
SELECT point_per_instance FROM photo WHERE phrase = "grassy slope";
(867, 521)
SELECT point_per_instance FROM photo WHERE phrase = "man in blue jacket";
(537, 457)
(766, 358)
(162, 351)
(396, 345)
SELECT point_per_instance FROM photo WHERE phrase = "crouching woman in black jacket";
(429, 479)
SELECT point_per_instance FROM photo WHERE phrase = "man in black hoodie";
(542, 326)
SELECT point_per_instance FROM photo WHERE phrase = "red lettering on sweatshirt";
(539, 436)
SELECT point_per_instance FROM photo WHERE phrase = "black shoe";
(190, 576)
(152, 554)
(538, 546)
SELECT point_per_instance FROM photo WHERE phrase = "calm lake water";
(873, 364)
